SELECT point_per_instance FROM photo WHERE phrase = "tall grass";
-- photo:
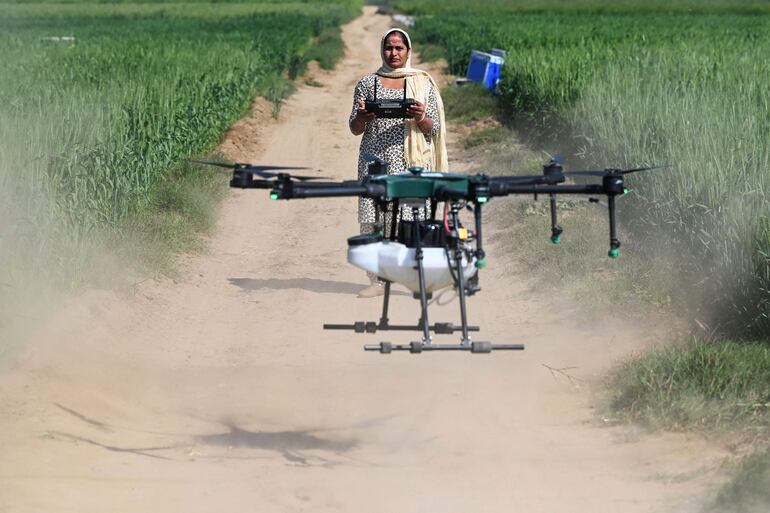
(703, 111)
(708, 385)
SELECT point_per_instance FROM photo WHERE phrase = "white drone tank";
(396, 262)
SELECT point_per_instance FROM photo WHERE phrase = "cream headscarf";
(417, 152)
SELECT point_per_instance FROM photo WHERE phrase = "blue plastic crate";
(485, 68)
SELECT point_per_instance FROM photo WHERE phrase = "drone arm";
(505, 189)
(332, 190)
(549, 179)
(327, 192)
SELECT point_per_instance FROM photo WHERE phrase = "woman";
(418, 140)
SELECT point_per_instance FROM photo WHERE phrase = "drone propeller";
(521, 179)
(263, 171)
(612, 172)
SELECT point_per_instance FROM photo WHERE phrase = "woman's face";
(395, 51)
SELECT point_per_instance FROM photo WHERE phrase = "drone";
(429, 255)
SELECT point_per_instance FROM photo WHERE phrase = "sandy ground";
(221, 392)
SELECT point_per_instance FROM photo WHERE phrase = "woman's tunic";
(384, 138)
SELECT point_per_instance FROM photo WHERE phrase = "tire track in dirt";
(221, 392)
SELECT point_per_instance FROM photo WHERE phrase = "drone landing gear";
(427, 345)
(423, 324)
(439, 328)
(419, 347)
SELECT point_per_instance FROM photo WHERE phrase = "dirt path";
(222, 393)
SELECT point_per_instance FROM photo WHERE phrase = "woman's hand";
(362, 118)
(362, 113)
(418, 113)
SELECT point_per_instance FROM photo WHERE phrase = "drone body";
(426, 255)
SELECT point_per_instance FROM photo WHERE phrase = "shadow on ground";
(291, 444)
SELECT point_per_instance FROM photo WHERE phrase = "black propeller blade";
(612, 172)
(518, 179)
(263, 171)
(647, 168)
